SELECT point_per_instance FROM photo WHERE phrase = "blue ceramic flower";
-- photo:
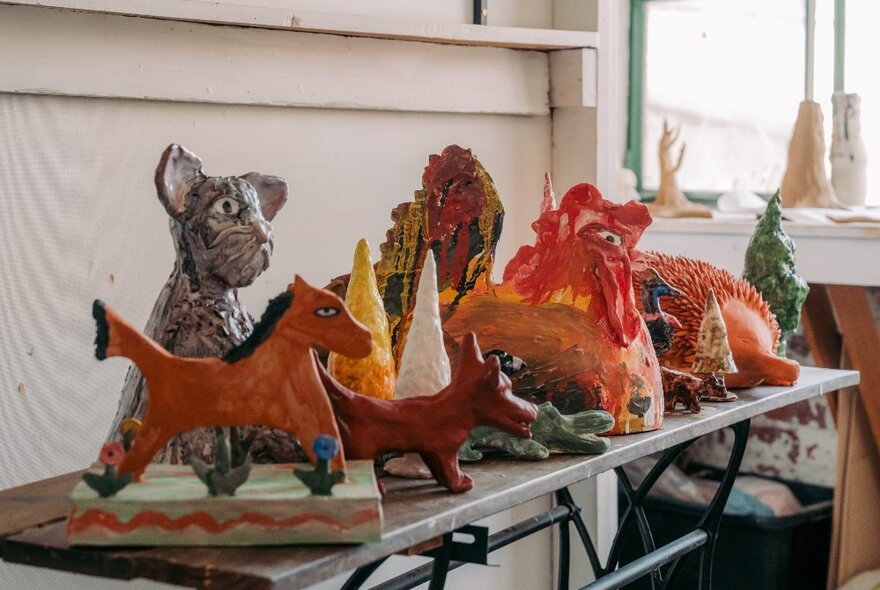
(325, 447)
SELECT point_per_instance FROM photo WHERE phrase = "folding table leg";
(442, 557)
(711, 520)
(360, 575)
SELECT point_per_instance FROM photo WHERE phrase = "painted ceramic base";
(172, 507)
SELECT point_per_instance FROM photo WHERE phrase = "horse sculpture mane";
(276, 308)
(479, 395)
(269, 380)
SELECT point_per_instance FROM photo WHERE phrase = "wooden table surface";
(32, 516)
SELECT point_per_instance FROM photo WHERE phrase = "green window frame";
(634, 147)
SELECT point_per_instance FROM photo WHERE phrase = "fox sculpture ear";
(271, 190)
(178, 169)
(470, 351)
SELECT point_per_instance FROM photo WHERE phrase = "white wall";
(80, 208)
(80, 218)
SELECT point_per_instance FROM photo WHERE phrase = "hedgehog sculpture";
(753, 332)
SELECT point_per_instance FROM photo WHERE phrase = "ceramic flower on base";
(110, 482)
(321, 480)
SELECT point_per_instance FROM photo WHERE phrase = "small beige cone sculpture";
(713, 353)
(372, 375)
(424, 365)
(549, 201)
(805, 183)
(670, 201)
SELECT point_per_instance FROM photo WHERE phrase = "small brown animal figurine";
(223, 239)
(680, 388)
(688, 390)
(271, 379)
(435, 426)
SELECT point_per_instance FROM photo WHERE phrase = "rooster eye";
(327, 312)
(610, 237)
(226, 206)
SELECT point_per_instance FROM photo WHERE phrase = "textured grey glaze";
(414, 510)
(223, 240)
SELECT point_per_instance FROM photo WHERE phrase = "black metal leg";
(360, 575)
(564, 498)
(564, 555)
(635, 497)
(711, 520)
(663, 564)
(442, 557)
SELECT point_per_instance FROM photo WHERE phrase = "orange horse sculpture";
(270, 380)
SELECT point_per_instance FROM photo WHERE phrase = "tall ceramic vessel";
(805, 183)
(849, 159)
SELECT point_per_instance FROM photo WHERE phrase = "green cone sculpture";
(770, 267)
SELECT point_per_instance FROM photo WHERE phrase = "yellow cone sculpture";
(372, 375)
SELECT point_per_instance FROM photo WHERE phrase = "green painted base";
(172, 507)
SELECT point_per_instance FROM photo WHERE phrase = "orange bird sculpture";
(567, 308)
(270, 380)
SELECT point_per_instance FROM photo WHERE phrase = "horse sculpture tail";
(116, 337)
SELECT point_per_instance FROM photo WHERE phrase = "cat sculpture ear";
(178, 169)
(271, 190)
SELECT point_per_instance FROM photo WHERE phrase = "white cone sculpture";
(424, 365)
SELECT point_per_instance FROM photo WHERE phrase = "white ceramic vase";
(849, 160)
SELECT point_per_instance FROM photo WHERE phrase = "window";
(730, 74)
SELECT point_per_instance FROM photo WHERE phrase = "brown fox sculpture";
(435, 426)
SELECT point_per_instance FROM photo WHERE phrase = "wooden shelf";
(829, 253)
(222, 13)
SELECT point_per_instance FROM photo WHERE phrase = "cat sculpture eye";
(327, 312)
(227, 206)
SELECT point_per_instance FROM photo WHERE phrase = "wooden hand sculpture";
(670, 201)
(270, 380)
(435, 426)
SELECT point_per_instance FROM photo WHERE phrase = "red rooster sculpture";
(567, 308)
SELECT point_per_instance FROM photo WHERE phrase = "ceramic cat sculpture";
(223, 240)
